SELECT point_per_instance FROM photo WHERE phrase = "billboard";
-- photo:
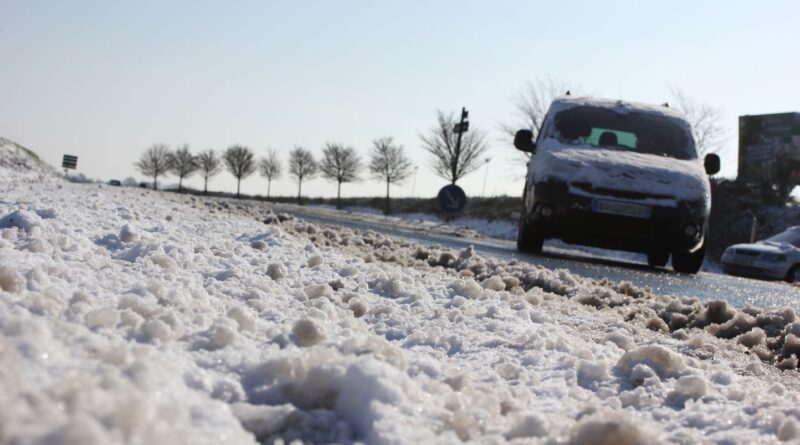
(769, 149)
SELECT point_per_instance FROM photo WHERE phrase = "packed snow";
(133, 316)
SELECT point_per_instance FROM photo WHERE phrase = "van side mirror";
(523, 140)
(712, 164)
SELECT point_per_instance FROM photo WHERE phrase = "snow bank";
(152, 319)
(20, 164)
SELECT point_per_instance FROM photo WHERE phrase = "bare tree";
(388, 163)
(449, 161)
(340, 164)
(155, 162)
(301, 165)
(240, 162)
(706, 120)
(183, 164)
(210, 165)
(530, 107)
(270, 168)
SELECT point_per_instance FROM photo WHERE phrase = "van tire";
(658, 258)
(689, 262)
(528, 240)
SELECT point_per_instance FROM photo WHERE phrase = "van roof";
(620, 106)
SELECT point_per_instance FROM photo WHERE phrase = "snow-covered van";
(617, 175)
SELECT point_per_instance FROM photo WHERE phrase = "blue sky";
(103, 80)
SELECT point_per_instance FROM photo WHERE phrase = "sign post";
(69, 162)
(460, 128)
(452, 198)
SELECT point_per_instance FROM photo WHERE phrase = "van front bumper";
(613, 223)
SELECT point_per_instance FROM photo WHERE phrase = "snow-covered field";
(132, 316)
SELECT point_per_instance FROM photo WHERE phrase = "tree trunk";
(238, 182)
(388, 209)
(338, 195)
(205, 186)
(155, 182)
(299, 190)
(269, 186)
(180, 184)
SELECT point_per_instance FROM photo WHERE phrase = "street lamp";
(485, 176)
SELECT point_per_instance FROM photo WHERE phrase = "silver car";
(777, 257)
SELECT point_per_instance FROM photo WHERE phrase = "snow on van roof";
(620, 106)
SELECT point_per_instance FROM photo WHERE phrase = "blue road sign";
(452, 198)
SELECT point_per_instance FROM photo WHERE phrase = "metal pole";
(485, 176)
(454, 167)
(414, 181)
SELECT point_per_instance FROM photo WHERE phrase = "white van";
(617, 175)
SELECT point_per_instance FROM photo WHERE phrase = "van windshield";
(636, 132)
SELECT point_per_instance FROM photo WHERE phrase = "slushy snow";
(157, 318)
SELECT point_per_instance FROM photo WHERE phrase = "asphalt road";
(705, 285)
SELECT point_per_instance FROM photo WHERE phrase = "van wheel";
(528, 240)
(658, 258)
(688, 262)
(793, 276)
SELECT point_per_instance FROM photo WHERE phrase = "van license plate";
(620, 208)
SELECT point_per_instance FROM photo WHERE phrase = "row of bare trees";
(339, 163)
(158, 161)
(452, 160)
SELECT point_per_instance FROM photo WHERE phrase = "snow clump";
(127, 234)
(307, 332)
(664, 362)
(10, 279)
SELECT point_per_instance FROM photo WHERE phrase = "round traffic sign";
(452, 198)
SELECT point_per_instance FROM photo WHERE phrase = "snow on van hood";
(619, 170)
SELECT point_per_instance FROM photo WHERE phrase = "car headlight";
(773, 257)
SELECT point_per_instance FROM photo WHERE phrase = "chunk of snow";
(307, 332)
(527, 425)
(358, 307)
(788, 430)
(259, 245)
(164, 261)
(127, 234)
(276, 271)
(467, 288)
(664, 362)
(494, 283)
(21, 219)
(102, 318)
(590, 373)
(688, 387)
(611, 429)
(318, 291)
(11, 280)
